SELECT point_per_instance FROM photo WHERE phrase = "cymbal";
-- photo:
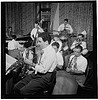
(64, 35)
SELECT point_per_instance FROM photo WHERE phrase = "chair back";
(89, 75)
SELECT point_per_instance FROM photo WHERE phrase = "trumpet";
(78, 40)
(78, 43)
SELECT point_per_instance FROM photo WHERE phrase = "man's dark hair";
(14, 37)
(79, 47)
(9, 27)
(66, 20)
(45, 36)
(36, 22)
(28, 43)
(81, 35)
(55, 44)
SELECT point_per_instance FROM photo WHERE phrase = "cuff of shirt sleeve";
(39, 68)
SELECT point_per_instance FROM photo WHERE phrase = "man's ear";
(46, 42)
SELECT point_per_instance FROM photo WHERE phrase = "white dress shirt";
(67, 27)
(60, 44)
(81, 63)
(48, 61)
(83, 44)
(60, 60)
(30, 55)
(13, 45)
(34, 31)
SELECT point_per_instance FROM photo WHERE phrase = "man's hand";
(33, 64)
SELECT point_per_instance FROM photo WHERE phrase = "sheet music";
(9, 61)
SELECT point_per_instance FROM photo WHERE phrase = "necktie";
(73, 63)
(27, 54)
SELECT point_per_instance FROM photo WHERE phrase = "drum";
(66, 37)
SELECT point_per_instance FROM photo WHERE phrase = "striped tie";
(73, 63)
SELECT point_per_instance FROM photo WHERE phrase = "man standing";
(35, 30)
(41, 79)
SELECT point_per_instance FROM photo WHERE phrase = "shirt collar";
(78, 56)
(13, 40)
(47, 48)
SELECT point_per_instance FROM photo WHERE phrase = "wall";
(20, 16)
(28, 17)
(53, 13)
(55, 19)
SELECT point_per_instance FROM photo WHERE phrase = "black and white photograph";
(49, 49)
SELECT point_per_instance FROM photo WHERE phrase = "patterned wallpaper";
(21, 16)
(28, 18)
(80, 17)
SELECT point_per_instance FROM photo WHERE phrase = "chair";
(88, 89)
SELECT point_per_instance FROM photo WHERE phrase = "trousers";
(32, 84)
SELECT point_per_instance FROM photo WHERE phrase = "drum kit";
(63, 35)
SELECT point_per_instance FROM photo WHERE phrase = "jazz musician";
(34, 33)
(35, 82)
(66, 30)
(35, 30)
(65, 26)
(80, 41)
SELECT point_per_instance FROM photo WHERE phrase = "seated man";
(66, 30)
(65, 26)
(13, 48)
(35, 82)
(56, 39)
(77, 65)
(27, 53)
(35, 30)
(60, 61)
(80, 41)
